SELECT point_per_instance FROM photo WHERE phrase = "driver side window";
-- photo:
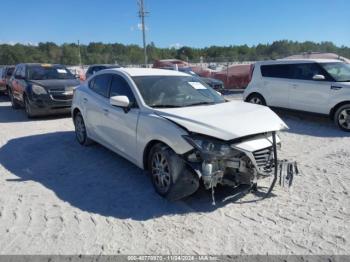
(119, 87)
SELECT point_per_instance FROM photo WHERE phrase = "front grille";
(61, 95)
(263, 156)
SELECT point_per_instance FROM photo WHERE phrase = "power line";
(142, 15)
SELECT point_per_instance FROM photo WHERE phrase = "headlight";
(39, 90)
(211, 147)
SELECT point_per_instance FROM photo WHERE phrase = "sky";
(195, 23)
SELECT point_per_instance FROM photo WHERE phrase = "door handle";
(336, 87)
(105, 111)
(85, 99)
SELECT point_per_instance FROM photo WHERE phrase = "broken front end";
(242, 161)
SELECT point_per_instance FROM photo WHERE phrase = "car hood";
(343, 84)
(225, 121)
(57, 84)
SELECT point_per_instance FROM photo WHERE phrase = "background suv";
(42, 88)
(95, 68)
(312, 85)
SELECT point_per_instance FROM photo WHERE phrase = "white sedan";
(178, 128)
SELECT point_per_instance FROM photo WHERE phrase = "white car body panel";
(305, 95)
(254, 144)
(225, 121)
(128, 134)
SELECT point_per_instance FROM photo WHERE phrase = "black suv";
(42, 89)
(95, 68)
(5, 74)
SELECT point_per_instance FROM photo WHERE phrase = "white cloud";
(18, 42)
(176, 45)
(138, 27)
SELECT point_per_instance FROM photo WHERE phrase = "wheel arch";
(254, 93)
(75, 111)
(336, 107)
(147, 150)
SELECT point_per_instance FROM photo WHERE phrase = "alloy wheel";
(255, 100)
(161, 172)
(344, 118)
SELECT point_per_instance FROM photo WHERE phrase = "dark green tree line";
(98, 52)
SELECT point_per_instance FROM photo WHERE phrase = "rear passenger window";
(277, 71)
(119, 87)
(100, 84)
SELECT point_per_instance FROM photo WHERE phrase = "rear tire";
(342, 117)
(80, 130)
(256, 99)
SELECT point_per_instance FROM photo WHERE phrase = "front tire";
(28, 107)
(256, 99)
(14, 102)
(342, 117)
(160, 167)
(80, 130)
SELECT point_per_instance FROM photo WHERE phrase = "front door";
(306, 93)
(121, 123)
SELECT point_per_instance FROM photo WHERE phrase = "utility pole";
(142, 14)
(79, 55)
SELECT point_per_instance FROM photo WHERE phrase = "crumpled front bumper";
(258, 160)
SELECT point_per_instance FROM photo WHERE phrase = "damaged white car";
(179, 129)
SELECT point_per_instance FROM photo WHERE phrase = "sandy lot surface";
(57, 197)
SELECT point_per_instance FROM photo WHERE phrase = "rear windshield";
(49, 72)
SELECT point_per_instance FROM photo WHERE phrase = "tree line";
(97, 52)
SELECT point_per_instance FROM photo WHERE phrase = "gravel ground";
(57, 197)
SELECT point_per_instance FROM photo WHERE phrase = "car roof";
(293, 61)
(107, 65)
(149, 72)
(40, 64)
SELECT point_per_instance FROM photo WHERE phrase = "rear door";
(275, 80)
(307, 94)
(95, 101)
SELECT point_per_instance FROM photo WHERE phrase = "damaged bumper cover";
(235, 163)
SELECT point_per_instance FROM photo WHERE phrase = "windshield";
(10, 71)
(49, 72)
(339, 71)
(175, 91)
(188, 71)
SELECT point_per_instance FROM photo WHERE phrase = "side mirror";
(120, 101)
(318, 77)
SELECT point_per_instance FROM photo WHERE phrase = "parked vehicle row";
(180, 129)
(312, 85)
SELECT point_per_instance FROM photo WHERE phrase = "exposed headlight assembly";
(211, 148)
(39, 90)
